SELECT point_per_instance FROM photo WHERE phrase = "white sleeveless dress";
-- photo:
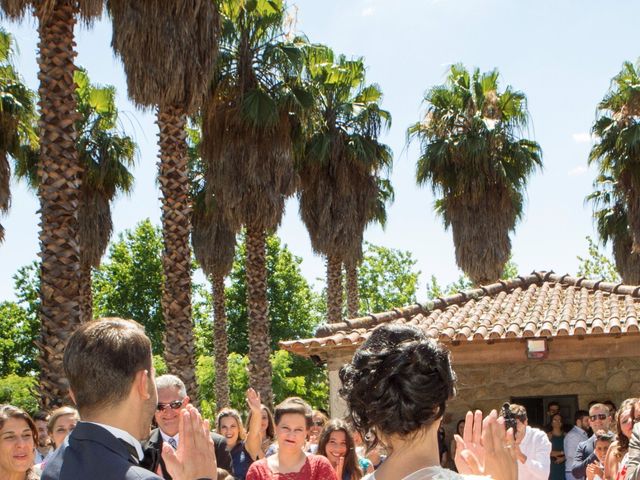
(432, 473)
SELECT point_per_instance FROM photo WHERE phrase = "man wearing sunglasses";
(599, 419)
(172, 400)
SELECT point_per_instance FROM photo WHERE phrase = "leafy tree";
(477, 163)
(18, 352)
(597, 265)
(129, 283)
(617, 151)
(17, 119)
(286, 382)
(386, 279)
(291, 299)
(19, 391)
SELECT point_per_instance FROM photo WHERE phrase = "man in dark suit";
(172, 400)
(599, 419)
(108, 364)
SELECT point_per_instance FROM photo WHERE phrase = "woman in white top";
(396, 388)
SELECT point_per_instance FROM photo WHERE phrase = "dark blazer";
(92, 452)
(584, 456)
(153, 453)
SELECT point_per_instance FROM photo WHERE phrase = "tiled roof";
(542, 304)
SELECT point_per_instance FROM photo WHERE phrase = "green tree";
(477, 163)
(249, 121)
(168, 50)
(19, 391)
(291, 299)
(129, 283)
(387, 279)
(597, 265)
(18, 332)
(17, 119)
(286, 382)
(617, 150)
(340, 163)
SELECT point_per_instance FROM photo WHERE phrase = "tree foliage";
(386, 279)
(129, 283)
(597, 265)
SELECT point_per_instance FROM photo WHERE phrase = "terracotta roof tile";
(542, 304)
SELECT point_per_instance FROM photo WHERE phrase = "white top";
(537, 448)
(571, 441)
(123, 435)
(431, 473)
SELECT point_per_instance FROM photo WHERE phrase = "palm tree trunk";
(86, 297)
(59, 191)
(220, 342)
(176, 258)
(5, 193)
(353, 298)
(334, 289)
(258, 307)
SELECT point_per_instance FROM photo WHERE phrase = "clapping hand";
(195, 457)
(485, 448)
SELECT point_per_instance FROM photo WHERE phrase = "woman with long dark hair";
(18, 440)
(337, 444)
(616, 458)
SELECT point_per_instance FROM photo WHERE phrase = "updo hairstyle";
(398, 383)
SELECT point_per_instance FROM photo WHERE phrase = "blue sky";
(561, 53)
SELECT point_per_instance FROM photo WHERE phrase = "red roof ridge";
(536, 277)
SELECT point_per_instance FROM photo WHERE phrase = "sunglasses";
(598, 416)
(175, 405)
(319, 423)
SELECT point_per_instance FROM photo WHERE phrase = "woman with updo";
(396, 388)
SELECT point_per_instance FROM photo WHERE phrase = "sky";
(561, 53)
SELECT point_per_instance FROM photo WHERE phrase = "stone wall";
(488, 386)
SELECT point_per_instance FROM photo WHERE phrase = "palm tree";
(17, 119)
(214, 244)
(477, 164)
(248, 125)
(384, 195)
(341, 158)
(610, 214)
(59, 171)
(617, 150)
(105, 155)
(168, 49)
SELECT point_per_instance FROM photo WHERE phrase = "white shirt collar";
(165, 437)
(123, 435)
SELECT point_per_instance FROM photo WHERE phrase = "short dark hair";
(101, 360)
(552, 404)
(9, 411)
(294, 405)
(398, 382)
(580, 414)
(40, 415)
(604, 436)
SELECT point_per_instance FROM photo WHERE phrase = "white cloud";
(581, 137)
(368, 12)
(577, 171)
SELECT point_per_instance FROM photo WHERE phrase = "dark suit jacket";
(153, 453)
(92, 452)
(584, 456)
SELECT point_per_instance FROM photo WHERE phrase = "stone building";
(530, 340)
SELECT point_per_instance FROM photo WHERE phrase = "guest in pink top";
(293, 419)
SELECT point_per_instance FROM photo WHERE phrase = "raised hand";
(486, 449)
(253, 400)
(195, 457)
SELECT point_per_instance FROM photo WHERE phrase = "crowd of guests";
(130, 425)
